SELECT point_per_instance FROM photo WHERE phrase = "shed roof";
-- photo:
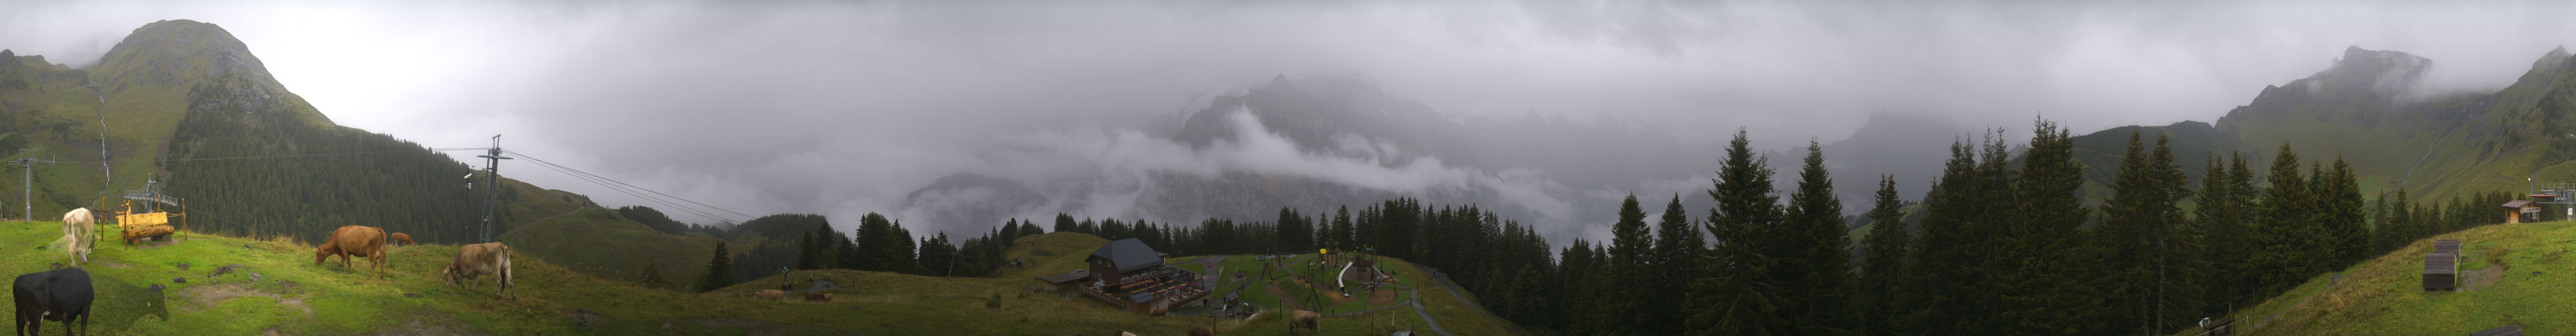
(1067, 277)
(2517, 204)
(2451, 246)
(1129, 254)
(2441, 263)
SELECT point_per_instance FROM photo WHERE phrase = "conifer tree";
(2340, 195)
(2048, 286)
(1938, 295)
(1820, 281)
(1677, 248)
(1063, 222)
(2285, 237)
(1885, 251)
(2224, 204)
(2150, 283)
(1631, 246)
(719, 271)
(1737, 295)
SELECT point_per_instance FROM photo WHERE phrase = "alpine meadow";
(1109, 167)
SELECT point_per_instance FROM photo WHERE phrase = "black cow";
(56, 295)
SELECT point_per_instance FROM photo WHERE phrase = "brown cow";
(398, 237)
(818, 297)
(1201, 331)
(1302, 318)
(473, 261)
(354, 241)
(770, 294)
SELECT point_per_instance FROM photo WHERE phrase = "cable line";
(746, 217)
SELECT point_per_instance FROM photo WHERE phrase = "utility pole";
(491, 183)
(27, 185)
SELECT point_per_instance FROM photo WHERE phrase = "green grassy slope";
(294, 296)
(2529, 283)
(2434, 146)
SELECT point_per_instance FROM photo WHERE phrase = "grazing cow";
(474, 261)
(1302, 318)
(79, 230)
(818, 297)
(1201, 331)
(56, 295)
(399, 238)
(353, 240)
(771, 294)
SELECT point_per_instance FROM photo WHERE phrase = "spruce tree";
(1631, 246)
(2149, 279)
(719, 271)
(1885, 251)
(1820, 281)
(2340, 195)
(2224, 205)
(2048, 285)
(2285, 236)
(1942, 292)
(1677, 248)
(1737, 296)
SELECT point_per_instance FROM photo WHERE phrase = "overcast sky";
(841, 108)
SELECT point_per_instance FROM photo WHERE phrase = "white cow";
(80, 230)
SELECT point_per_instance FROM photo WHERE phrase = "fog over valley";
(956, 116)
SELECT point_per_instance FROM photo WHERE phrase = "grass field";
(2530, 281)
(294, 296)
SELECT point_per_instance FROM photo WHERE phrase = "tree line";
(2003, 244)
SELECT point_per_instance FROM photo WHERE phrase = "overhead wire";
(744, 216)
(675, 206)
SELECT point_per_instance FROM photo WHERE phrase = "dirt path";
(1426, 315)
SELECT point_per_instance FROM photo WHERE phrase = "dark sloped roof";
(2516, 204)
(1129, 254)
(1067, 277)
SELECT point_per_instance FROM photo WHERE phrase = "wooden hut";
(2441, 271)
(2522, 211)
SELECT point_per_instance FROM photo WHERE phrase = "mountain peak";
(2365, 72)
(171, 51)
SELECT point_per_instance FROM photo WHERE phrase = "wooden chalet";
(1127, 274)
(2522, 211)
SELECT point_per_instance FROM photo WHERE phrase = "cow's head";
(321, 253)
(449, 273)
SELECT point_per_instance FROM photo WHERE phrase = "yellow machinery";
(148, 225)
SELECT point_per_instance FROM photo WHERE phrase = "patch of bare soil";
(2480, 278)
(210, 295)
(1382, 298)
(427, 323)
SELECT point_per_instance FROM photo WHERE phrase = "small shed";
(2522, 211)
(2441, 271)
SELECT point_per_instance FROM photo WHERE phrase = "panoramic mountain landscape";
(1614, 168)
